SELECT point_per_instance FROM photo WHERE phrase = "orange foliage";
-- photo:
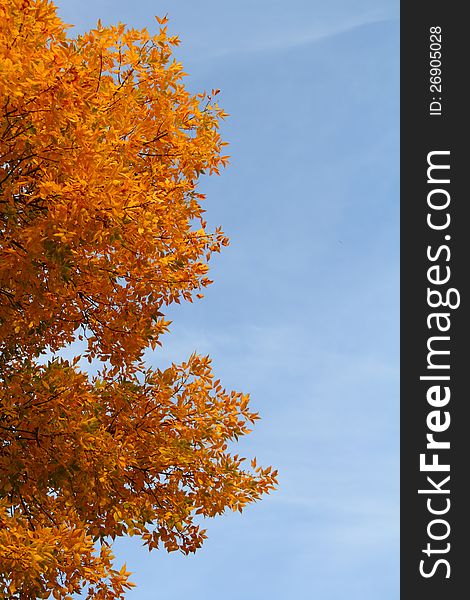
(101, 148)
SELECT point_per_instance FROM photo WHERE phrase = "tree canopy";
(101, 228)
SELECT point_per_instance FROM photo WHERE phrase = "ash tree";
(101, 228)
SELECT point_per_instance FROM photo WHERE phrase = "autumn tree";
(101, 228)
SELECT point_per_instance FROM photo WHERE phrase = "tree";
(102, 227)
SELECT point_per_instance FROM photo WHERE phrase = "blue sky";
(303, 313)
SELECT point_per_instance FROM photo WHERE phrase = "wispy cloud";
(264, 44)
